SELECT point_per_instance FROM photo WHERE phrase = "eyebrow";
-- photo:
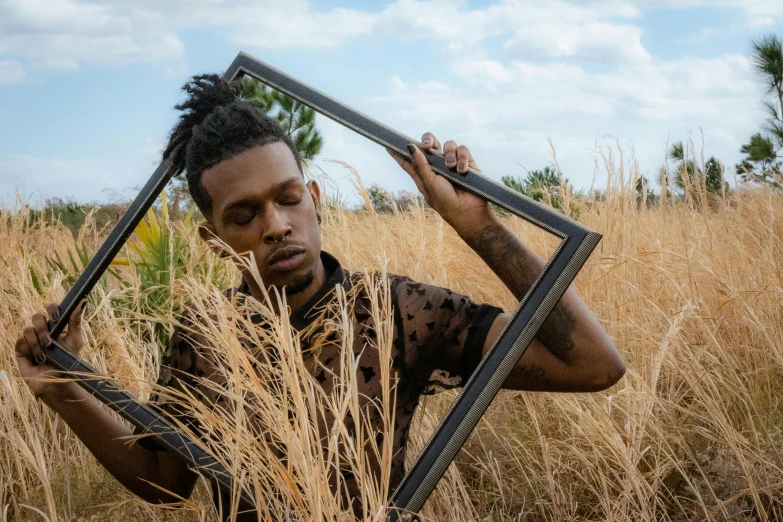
(247, 202)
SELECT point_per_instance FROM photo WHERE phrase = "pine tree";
(688, 173)
(760, 164)
(295, 118)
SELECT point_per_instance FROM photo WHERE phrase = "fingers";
(458, 157)
(450, 153)
(75, 321)
(33, 345)
(73, 337)
(407, 166)
(422, 167)
(429, 141)
(42, 330)
(53, 309)
(20, 347)
(463, 159)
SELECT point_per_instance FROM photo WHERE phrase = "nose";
(277, 228)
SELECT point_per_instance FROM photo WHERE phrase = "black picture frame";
(577, 242)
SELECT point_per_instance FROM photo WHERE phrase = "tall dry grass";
(690, 290)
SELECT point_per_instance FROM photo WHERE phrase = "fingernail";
(411, 148)
(450, 159)
(40, 358)
(461, 166)
(425, 141)
(47, 343)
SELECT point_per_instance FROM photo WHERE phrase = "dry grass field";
(691, 292)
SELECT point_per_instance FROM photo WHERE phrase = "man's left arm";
(571, 351)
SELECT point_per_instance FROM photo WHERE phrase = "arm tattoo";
(535, 377)
(518, 267)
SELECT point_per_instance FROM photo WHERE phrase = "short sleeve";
(443, 333)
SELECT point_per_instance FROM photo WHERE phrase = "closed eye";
(291, 201)
(244, 219)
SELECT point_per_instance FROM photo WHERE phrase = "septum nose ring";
(280, 241)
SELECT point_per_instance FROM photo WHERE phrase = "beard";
(301, 284)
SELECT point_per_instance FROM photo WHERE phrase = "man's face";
(259, 197)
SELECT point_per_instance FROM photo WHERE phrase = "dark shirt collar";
(335, 275)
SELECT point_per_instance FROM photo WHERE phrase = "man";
(246, 177)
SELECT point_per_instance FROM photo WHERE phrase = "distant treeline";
(73, 214)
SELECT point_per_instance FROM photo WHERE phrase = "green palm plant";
(544, 185)
(64, 268)
(159, 253)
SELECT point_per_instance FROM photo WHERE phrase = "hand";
(30, 349)
(464, 211)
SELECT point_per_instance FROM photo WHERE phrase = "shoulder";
(405, 287)
(415, 295)
(363, 280)
(401, 288)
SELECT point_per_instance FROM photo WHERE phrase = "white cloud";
(598, 41)
(758, 21)
(750, 6)
(504, 105)
(11, 72)
(65, 33)
(507, 111)
(62, 34)
(559, 27)
(506, 108)
(283, 29)
(51, 16)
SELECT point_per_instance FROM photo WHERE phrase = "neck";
(298, 300)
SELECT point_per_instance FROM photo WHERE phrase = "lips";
(286, 258)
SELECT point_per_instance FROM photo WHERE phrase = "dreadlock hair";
(215, 125)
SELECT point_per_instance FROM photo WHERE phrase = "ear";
(315, 193)
(207, 232)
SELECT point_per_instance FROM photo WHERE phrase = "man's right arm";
(155, 476)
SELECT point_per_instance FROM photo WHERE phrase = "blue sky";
(87, 89)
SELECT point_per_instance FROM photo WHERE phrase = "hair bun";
(206, 92)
